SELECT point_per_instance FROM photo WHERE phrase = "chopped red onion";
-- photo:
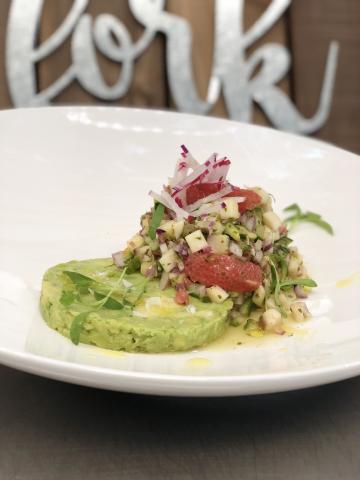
(300, 292)
(258, 257)
(267, 245)
(119, 258)
(235, 249)
(183, 250)
(250, 223)
(150, 272)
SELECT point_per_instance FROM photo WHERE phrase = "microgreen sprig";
(297, 215)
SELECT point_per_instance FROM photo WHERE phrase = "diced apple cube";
(169, 260)
(230, 210)
(178, 228)
(173, 229)
(272, 221)
(142, 251)
(217, 294)
(168, 228)
(135, 242)
(219, 243)
(196, 241)
(271, 321)
(261, 192)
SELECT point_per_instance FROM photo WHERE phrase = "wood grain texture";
(200, 15)
(313, 25)
(5, 100)
(52, 430)
(308, 28)
(148, 88)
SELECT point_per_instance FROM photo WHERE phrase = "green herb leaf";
(275, 281)
(306, 282)
(67, 298)
(76, 326)
(246, 307)
(312, 217)
(237, 231)
(317, 220)
(110, 303)
(283, 242)
(293, 207)
(133, 265)
(156, 219)
(79, 279)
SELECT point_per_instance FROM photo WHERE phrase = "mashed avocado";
(137, 316)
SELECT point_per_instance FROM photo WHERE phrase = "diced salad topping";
(212, 240)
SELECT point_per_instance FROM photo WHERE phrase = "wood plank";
(313, 25)
(200, 15)
(5, 100)
(148, 86)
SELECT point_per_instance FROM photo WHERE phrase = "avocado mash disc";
(94, 302)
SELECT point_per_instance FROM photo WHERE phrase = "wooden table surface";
(51, 431)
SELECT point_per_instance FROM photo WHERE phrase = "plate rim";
(159, 111)
(196, 385)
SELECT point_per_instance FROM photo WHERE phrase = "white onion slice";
(193, 163)
(219, 170)
(181, 172)
(179, 212)
(170, 203)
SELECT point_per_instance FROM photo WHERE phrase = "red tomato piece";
(181, 296)
(252, 199)
(201, 190)
(226, 271)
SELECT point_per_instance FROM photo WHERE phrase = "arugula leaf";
(306, 282)
(283, 242)
(276, 257)
(246, 307)
(79, 279)
(312, 217)
(110, 303)
(275, 281)
(67, 298)
(156, 219)
(293, 207)
(317, 220)
(133, 265)
(237, 231)
(76, 325)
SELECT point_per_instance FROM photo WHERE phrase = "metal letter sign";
(232, 72)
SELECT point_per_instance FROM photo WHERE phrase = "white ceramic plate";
(73, 183)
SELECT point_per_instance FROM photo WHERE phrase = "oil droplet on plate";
(346, 282)
(197, 363)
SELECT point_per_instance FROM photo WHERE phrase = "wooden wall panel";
(148, 88)
(5, 100)
(308, 28)
(314, 23)
(200, 15)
